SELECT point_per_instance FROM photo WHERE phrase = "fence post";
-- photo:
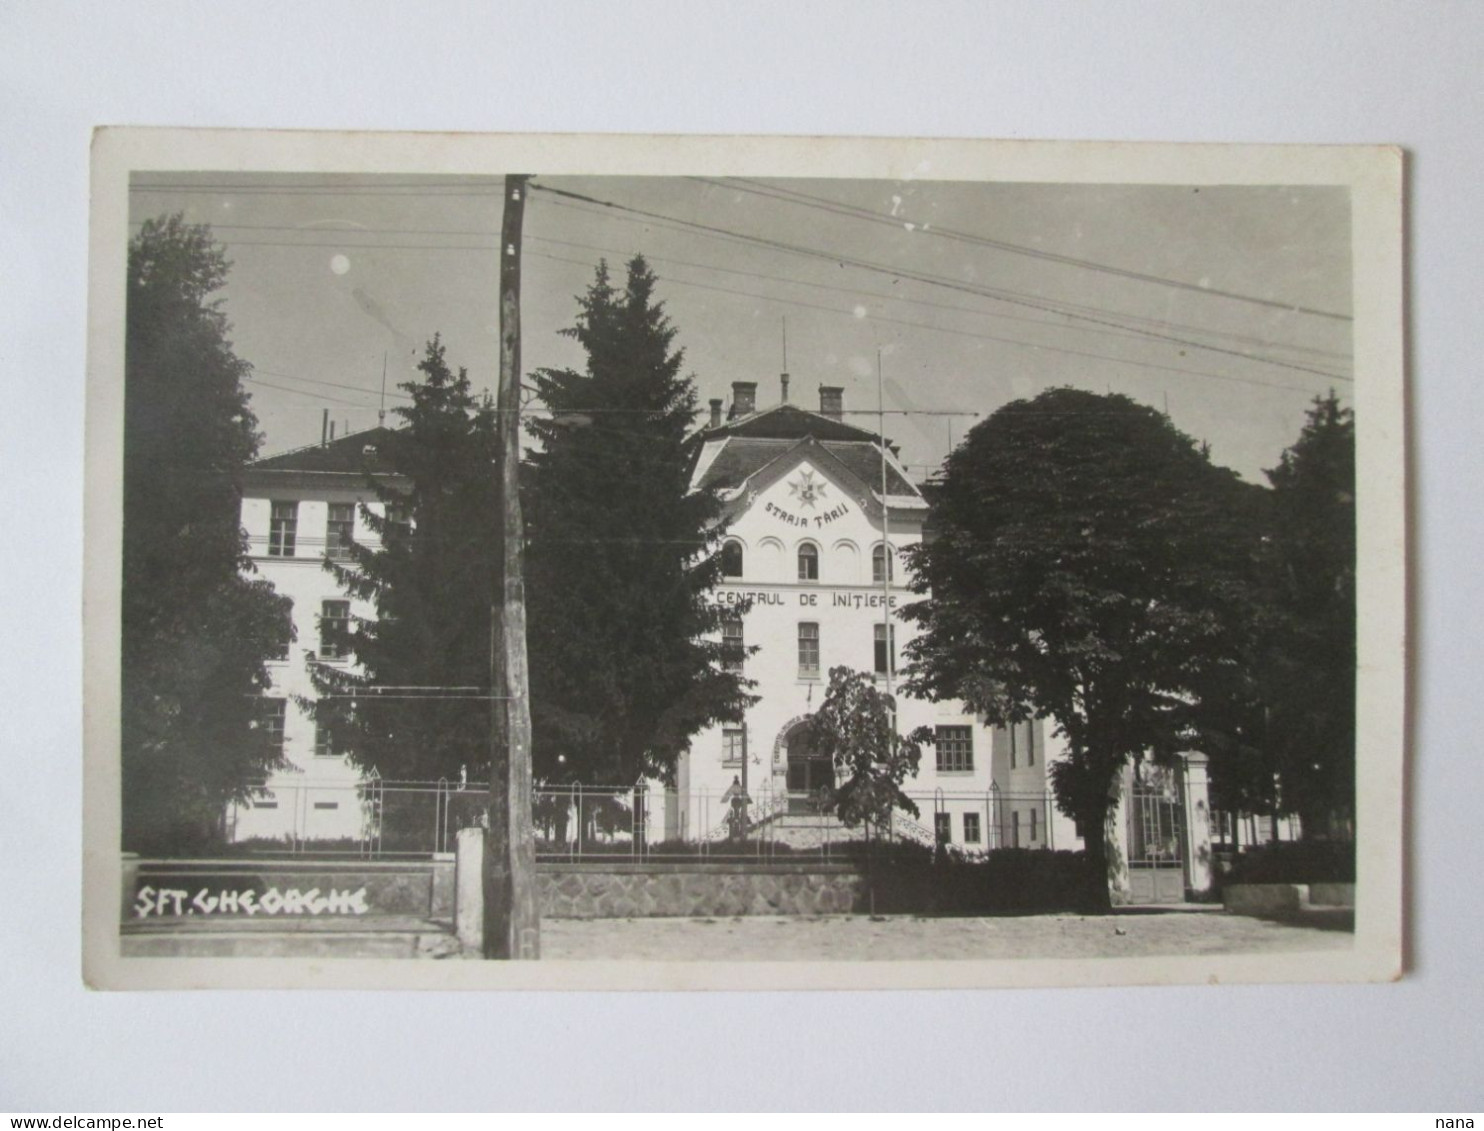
(468, 889)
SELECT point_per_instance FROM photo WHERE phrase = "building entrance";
(810, 774)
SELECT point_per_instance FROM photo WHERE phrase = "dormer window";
(808, 562)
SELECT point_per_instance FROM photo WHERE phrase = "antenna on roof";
(381, 411)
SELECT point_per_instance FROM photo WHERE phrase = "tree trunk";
(1096, 898)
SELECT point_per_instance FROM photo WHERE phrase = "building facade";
(818, 513)
(300, 510)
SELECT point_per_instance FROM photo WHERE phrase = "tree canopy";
(1088, 564)
(196, 630)
(855, 727)
(413, 705)
(626, 662)
(1310, 687)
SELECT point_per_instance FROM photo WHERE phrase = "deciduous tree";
(855, 727)
(1091, 565)
(196, 629)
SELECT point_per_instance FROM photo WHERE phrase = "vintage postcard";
(733, 562)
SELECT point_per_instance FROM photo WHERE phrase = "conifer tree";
(1311, 674)
(196, 629)
(412, 705)
(625, 661)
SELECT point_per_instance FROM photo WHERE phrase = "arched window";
(881, 565)
(731, 559)
(808, 562)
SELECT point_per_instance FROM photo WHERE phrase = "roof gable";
(756, 465)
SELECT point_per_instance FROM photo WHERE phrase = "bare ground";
(855, 937)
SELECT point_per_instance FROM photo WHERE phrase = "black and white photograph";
(660, 563)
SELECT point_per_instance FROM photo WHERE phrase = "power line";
(1062, 307)
(793, 196)
(355, 234)
(931, 280)
(979, 313)
(972, 333)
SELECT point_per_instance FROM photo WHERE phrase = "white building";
(299, 509)
(813, 556)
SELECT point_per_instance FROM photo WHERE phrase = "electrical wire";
(840, 208)
(928, 279)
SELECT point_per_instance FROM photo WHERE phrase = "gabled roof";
(357, 453)
(740, 458)
(788, 422)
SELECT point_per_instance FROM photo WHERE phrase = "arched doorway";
(809, 772)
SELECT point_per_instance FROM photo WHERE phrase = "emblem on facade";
(807, 489)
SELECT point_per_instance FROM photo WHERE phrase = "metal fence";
(389, 819)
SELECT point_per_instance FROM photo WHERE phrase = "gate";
(1156, 836)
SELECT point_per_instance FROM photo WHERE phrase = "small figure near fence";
(737, 798)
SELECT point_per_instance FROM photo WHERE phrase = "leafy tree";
(1092, 566)
(855, 727)
(431, 581)
(625, 661)
(1311, 686)
(196, 631)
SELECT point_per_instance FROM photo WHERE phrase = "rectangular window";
(272, 720)
(334, 624)
(809, 650)
(1034, 814)
(886, 648)
(265, 804)
(731, 746)
(324, 740)
(955, 750)
(1013, 751)
(285, 634)
(283, 528)
(1015, 828)
(1030, 744)
(971, 828)
(340, 530)
(327, 805)
(398, 524)
(943, 827)
(733, 649)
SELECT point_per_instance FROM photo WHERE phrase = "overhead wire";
(973, 334)
(928, 279)
(794, 196)
(354, 240)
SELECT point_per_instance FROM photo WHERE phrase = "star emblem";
(807, 489)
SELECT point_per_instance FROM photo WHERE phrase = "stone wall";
(593, 890)
(155, 889)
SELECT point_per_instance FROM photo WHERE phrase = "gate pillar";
(1197, 821)
(1120, 887)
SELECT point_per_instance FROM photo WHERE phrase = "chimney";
(716, 412)
(832, 401)
(324, 428)
(744, 398)
(783, 380)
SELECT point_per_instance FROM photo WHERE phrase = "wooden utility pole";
(512, 914)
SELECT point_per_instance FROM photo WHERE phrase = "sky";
(1226, 306)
